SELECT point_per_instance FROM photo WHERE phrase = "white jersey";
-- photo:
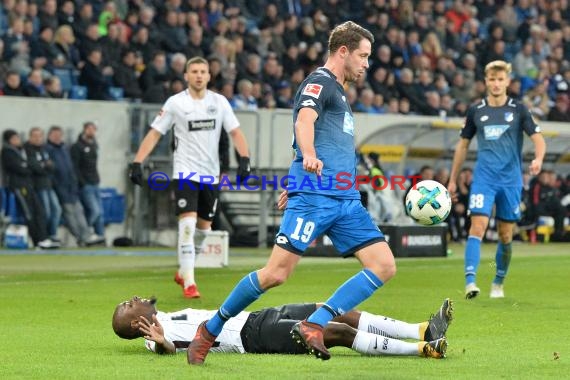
(197, 127)
(180, 328)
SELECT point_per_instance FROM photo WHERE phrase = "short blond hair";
(495, 66)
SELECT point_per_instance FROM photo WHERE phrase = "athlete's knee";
(477, 228)
(384, 269)
(271, 278)
(505, 235)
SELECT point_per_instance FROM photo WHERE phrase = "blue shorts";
(345, 221)
(506, 199)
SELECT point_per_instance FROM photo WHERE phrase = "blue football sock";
(347, 296)
(502, 259)
(472, 258)
(245, 292)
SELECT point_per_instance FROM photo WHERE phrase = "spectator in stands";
(460, 90)
(43, 48)
(545, 201)
(174, 39)
(18, 179)
(284, 97)
(177, 67)
(68, 57)
(523, 63)
(34, 86)
(195, 45)
(66, 13)
(111, 46)
(16, 47)
(126, 76)
(67, 189)
(155, 74)
(365, 101)
(90, 41)
(84, 20)
(96, 77)
(42, 167)
(244, 100)
(12, 85)
(52, 86)
(560, 111)
(537, 100)
(252, 71)
(84, 154)
(48, 14)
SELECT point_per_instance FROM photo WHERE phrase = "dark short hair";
(348, 34)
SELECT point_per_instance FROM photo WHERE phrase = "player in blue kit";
(324, 146)
(498, 121)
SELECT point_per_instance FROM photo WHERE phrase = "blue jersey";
(334, 138)
(499, 133)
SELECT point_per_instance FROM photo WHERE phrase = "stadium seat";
(78, 92)
(66, 78)
(116, 93)
(12, 209)
(113, 205)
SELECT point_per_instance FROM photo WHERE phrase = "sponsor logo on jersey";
(484, 118)
(201, 125)
(282, 239)
(313, 89)
(212, 110)
(308, 103)
(509, 116)
(343, 98)
(537, 129)
(493, 132)
(182, 203)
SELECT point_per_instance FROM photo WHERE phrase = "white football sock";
(186, 252)
(199, 239)
(371, 344)
(380, 325)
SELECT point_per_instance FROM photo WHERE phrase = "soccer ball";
(428, 203)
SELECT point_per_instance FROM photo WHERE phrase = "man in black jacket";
(94, 77)
(84, 156)
(19, 181)
(41, 167)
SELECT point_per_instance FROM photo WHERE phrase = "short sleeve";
(164, 120)
(470, 128)
(527, 121)
(315, 93)
(229, 119)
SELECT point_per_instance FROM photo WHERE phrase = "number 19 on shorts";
(307, 229)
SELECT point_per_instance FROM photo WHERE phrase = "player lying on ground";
(267, 331)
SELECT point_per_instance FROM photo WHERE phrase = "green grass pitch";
(55, 314)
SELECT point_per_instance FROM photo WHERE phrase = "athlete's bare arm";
(147, 145)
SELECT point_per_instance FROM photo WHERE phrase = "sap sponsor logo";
(493, 132)
(421, 240)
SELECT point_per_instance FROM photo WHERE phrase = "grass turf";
(56, 311)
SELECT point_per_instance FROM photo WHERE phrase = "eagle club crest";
(509, 116)
(212, 110)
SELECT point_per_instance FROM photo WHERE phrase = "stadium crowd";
(427, 58)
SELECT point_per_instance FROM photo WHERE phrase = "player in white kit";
(196, 117)
(267, 331)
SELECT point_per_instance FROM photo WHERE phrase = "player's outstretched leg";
(439, 322)
(434, 349)
(200, 345)
(311, 336)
